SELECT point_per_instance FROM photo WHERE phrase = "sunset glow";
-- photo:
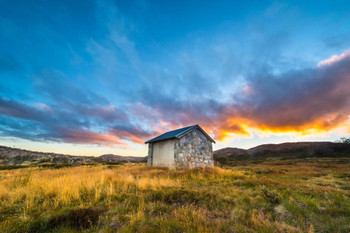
(105, 77)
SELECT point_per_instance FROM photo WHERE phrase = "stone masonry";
(193, 149)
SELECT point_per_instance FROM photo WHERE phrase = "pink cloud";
(333, 59)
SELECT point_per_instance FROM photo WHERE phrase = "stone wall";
(194, 149)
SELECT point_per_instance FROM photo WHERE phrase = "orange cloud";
(82, 136)
(244, 127)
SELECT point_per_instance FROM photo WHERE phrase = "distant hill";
(119, 158)
(288, 150)
(228, 151)
(15, 156)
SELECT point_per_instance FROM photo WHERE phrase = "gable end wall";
(193, 149)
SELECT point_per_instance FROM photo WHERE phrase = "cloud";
(131, 132)
(111, 93)
(19, 110)
(302, 101)
(83, 136)
(63, 107)
(77, 116)
(334, 58)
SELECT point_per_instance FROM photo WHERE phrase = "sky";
(101, 76)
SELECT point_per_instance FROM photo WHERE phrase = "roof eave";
(150, 141)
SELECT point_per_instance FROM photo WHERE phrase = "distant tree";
(345, 140)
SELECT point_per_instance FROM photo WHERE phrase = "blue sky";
(94, 77)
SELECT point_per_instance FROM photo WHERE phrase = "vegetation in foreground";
(276, 196)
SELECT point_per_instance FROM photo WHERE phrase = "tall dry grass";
(284, 196)
(75, 185)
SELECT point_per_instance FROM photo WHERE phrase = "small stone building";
(187, 147)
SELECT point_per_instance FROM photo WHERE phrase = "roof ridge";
(177, 133)
(189, 128)
(170, 134)
(180, 128)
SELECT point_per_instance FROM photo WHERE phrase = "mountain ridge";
(287, 150)
(16, 156)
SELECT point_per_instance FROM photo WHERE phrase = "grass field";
(276, 196)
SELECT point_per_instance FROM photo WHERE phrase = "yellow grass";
(299, 196)
(68, 184)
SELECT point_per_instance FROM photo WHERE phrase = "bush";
(80, 218)
(10, 167)
(271, 196)
(345, 140)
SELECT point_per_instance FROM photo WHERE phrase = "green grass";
(275, 196)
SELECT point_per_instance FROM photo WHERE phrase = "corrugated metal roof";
(177, 133)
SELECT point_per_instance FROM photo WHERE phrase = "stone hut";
(187, 147)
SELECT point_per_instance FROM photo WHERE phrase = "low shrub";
(78, 218)
(269, 195)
